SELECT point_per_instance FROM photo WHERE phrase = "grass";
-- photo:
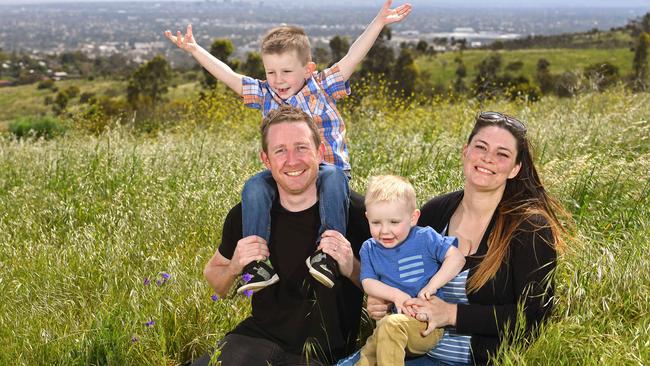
(442, 68)
(84, 220)
(28, 100)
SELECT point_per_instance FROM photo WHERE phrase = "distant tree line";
(23, 69)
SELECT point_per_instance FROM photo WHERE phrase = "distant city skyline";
(445, 3)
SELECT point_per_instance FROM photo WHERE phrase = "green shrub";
(45, 127)
(45, 84)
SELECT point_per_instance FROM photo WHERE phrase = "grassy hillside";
(592, 39)
(28, 100)
(442, 67)
(85, 220)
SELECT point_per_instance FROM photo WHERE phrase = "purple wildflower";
(214, 297)
(147, 281)
(134, 339)
(246, 277)
(159, 283)
(150, 323)
(248, 293)
(165, 276)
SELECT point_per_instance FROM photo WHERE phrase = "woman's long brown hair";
(524, 200)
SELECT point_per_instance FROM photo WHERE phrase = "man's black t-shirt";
(298, 309)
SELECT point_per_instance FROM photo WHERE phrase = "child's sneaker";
(257, 275)
(323, 268)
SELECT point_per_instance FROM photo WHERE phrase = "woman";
(509, 231)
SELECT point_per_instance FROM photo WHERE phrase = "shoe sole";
(319, 276)
(258, 285)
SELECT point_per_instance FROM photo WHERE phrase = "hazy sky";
(479, 3)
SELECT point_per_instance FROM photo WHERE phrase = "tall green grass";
(84, 220)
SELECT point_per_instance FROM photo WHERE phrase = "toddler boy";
(399, 262)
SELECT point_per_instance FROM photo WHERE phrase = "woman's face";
(490, 158)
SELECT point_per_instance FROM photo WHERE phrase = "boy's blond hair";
(287, 38)
(390, 188)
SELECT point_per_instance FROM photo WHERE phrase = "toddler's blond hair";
(390, 188)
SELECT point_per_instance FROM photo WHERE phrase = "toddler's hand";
(427, 292)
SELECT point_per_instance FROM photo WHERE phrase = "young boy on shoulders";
(291, 79)
(399, 262)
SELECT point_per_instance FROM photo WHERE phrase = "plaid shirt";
(318, 98)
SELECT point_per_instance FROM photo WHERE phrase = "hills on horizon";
(376, 3)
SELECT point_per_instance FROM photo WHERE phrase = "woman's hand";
(377, 308)
(435, 312)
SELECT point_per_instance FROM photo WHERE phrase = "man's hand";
(186, 43)
(377, 308)
(387, 15)
(248, 249)
(338, 247)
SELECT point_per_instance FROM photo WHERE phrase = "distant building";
(58, 75)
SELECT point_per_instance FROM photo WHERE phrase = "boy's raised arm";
(362, 45)
(214, 66)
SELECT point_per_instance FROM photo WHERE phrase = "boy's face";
(390, 222)
(286, 73)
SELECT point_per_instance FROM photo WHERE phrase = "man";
(296, 321)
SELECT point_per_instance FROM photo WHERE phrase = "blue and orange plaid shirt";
(318, 98)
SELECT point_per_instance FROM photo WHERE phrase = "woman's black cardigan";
(524, 277)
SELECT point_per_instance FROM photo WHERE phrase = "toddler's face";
(285, 73)
(390, 222)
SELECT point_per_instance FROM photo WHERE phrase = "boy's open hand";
(388, 15)
(186, 43)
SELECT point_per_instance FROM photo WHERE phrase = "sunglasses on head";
(496, 117)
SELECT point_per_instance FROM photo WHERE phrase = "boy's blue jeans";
(261, 190)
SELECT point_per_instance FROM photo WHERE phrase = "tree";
(149, 82)
(405, 72)
(422, 47)
(640, 62)
(486, 83)
(321, 56)
(461, 73)
(253, 66)
(60, 102)
(222, 49)
(339, 47)
(602, 75)
(380, 58)
(543, 76)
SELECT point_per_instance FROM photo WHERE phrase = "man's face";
(286, 73)
(292, 158)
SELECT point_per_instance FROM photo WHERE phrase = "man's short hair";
(287, 38)
(287, 113)
(390, 188)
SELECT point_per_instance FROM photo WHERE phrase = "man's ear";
(309, 69)
(265, 159)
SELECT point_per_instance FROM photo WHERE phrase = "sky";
(478, 3)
